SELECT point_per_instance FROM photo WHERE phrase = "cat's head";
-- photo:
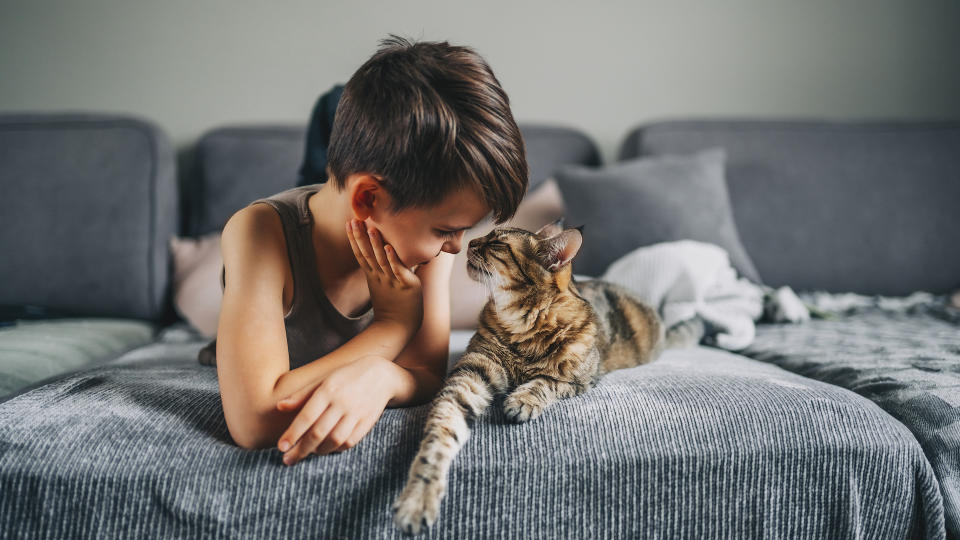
(509, 258)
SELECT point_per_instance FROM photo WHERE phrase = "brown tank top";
(314, 326)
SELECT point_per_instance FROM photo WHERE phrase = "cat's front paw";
(418, 505)
(522, 407)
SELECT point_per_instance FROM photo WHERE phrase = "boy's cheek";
(409, 258)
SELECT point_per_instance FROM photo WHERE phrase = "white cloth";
(687, 278)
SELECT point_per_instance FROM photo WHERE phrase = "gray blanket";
(701, 443)
(904, 354)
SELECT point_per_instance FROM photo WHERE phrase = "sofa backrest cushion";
(89, 203)
(238, 164)
(863, 206)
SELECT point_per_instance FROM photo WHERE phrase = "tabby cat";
(541, 337)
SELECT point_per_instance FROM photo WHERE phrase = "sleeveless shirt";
(314, 326)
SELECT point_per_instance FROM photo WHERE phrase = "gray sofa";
(832, 428)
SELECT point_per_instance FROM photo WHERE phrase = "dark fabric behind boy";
(313, 170)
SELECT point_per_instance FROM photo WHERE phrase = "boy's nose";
(455, 244)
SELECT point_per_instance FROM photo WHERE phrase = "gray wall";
(192, 65)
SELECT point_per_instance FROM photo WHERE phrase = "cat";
(542, 336)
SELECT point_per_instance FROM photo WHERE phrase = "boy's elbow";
(245, 441)
(252, 438)
(248, 428)
(243, 434)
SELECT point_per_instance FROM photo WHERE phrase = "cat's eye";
(497, 244)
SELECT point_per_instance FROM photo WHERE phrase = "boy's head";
(424, 143)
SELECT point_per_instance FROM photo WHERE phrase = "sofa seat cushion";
(904, 356)
(700, 440)
(32, 351)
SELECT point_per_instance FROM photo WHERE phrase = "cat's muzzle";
(475, 266)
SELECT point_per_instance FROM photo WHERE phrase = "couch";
(833, 428)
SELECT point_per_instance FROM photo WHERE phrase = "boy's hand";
(340, 410)
(395, 291)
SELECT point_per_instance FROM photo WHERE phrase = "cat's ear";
(558, 250)
(551, 229)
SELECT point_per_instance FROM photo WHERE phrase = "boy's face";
(421, 234)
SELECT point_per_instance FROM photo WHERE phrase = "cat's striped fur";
(542, 337)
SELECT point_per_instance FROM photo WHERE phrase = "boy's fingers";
(395, 263)
(341, 431)
(346, 443)
(297, 398)
(377, 244)
(363, 243)
(356, 248)
(306, 444)
(404, 274)
(314, 407)
(317, 433)
(359, 432)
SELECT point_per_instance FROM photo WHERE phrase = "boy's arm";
(422, 365)
(381, 338)
(419, 363)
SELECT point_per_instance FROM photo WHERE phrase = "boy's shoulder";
(254, 251)
(254, 223)
(256, 230)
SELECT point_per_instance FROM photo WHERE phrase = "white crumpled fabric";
(688, 278)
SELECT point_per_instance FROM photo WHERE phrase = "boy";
(423, 147)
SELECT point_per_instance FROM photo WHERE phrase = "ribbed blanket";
(702, 443)
(901, 352)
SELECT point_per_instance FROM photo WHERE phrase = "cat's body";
(541, 337)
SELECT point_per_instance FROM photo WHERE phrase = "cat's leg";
(529, 399)
(467, 392)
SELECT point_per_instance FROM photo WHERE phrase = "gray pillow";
(651, 199)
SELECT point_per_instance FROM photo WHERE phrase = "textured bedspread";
(700, 444)
(904, 356)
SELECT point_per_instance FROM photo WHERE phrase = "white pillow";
(196, 280)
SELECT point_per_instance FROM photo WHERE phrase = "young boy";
(423, 147)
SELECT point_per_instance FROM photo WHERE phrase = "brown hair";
(430, 118)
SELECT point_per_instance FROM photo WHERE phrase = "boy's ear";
(551, 229)
(365, 193)
(557, 251)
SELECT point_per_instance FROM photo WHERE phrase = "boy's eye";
(447, 234)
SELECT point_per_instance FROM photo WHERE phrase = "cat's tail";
(685, 333)
(467, 392)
